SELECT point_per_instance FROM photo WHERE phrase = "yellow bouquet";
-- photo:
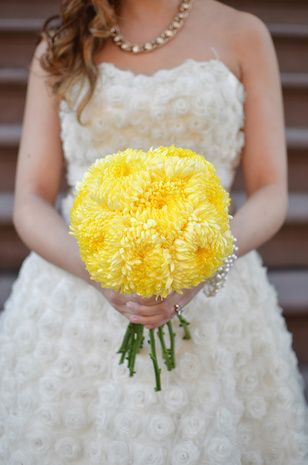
(151, 223)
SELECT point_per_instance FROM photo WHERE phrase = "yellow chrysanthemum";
(152, 223)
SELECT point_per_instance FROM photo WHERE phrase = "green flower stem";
(134, 347)
(154, 360)
(165, 351)
(184, 324)
(171, 350)
(126, 342)
(130, 356)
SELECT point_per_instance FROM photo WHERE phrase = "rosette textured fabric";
(236, 397)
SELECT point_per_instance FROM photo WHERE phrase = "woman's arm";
(264, 157)
(39, 171)
(38, 177)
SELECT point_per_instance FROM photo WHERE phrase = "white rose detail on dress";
(208, 393)
(242, 354)
(127, 424)
(95, 453)
(62, 297)
(50, 388)
(68, 448)
(102, 417)
(44, 351)
(110, 395)
(85, 391)
(119, 372)
(189, 366)
(148, 454)
(252, 458)
(161, 427)
(66, 365)
(27, 402)
(193, 424)
(224, 420)
(248, 381)
(34, 308)
(39, 441)
(4, 448)
(79, 334)
(7, 385)
(179, 107)
(219, 448)
(222, 360)
(206, 331)
(276, 455)
(25, 370)
(26, 337)
(175, 398)
(256, 407)
(94, 366)
(2, 428)
(74, 417)
(49, 414)
(245, 434)
(232, 329)
(102, 340)
(119, 453)
(50, 325)
(140, 396)
(18, 457)
(185, 453)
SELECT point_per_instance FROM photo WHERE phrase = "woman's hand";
(118, 300)
(153, 315)
(150, 312)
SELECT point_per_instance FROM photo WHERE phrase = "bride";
(111, 75)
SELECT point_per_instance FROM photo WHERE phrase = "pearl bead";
(148, 46)
(217, 281)
(136, 48)
(159, 40)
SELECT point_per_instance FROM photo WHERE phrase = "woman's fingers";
(146, 310)
(154, 316)
(150, 322)
(151, 316)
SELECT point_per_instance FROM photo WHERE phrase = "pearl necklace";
(162, 39)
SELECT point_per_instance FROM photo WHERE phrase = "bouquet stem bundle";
(133, 341)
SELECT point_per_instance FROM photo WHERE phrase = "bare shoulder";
(250, 41)
(249, 28)
(239, 25)
(39, 51)
(250, 38)
(241, 33)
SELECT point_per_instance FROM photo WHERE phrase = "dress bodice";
(196, 105)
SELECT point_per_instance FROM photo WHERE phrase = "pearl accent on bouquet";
(217, 281)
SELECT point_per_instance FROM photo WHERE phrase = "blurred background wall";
(286, 255)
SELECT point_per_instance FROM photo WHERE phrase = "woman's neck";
(139, 10)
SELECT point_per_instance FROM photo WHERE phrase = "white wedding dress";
(235, 396)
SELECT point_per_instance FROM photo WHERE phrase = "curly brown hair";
(73, 37)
